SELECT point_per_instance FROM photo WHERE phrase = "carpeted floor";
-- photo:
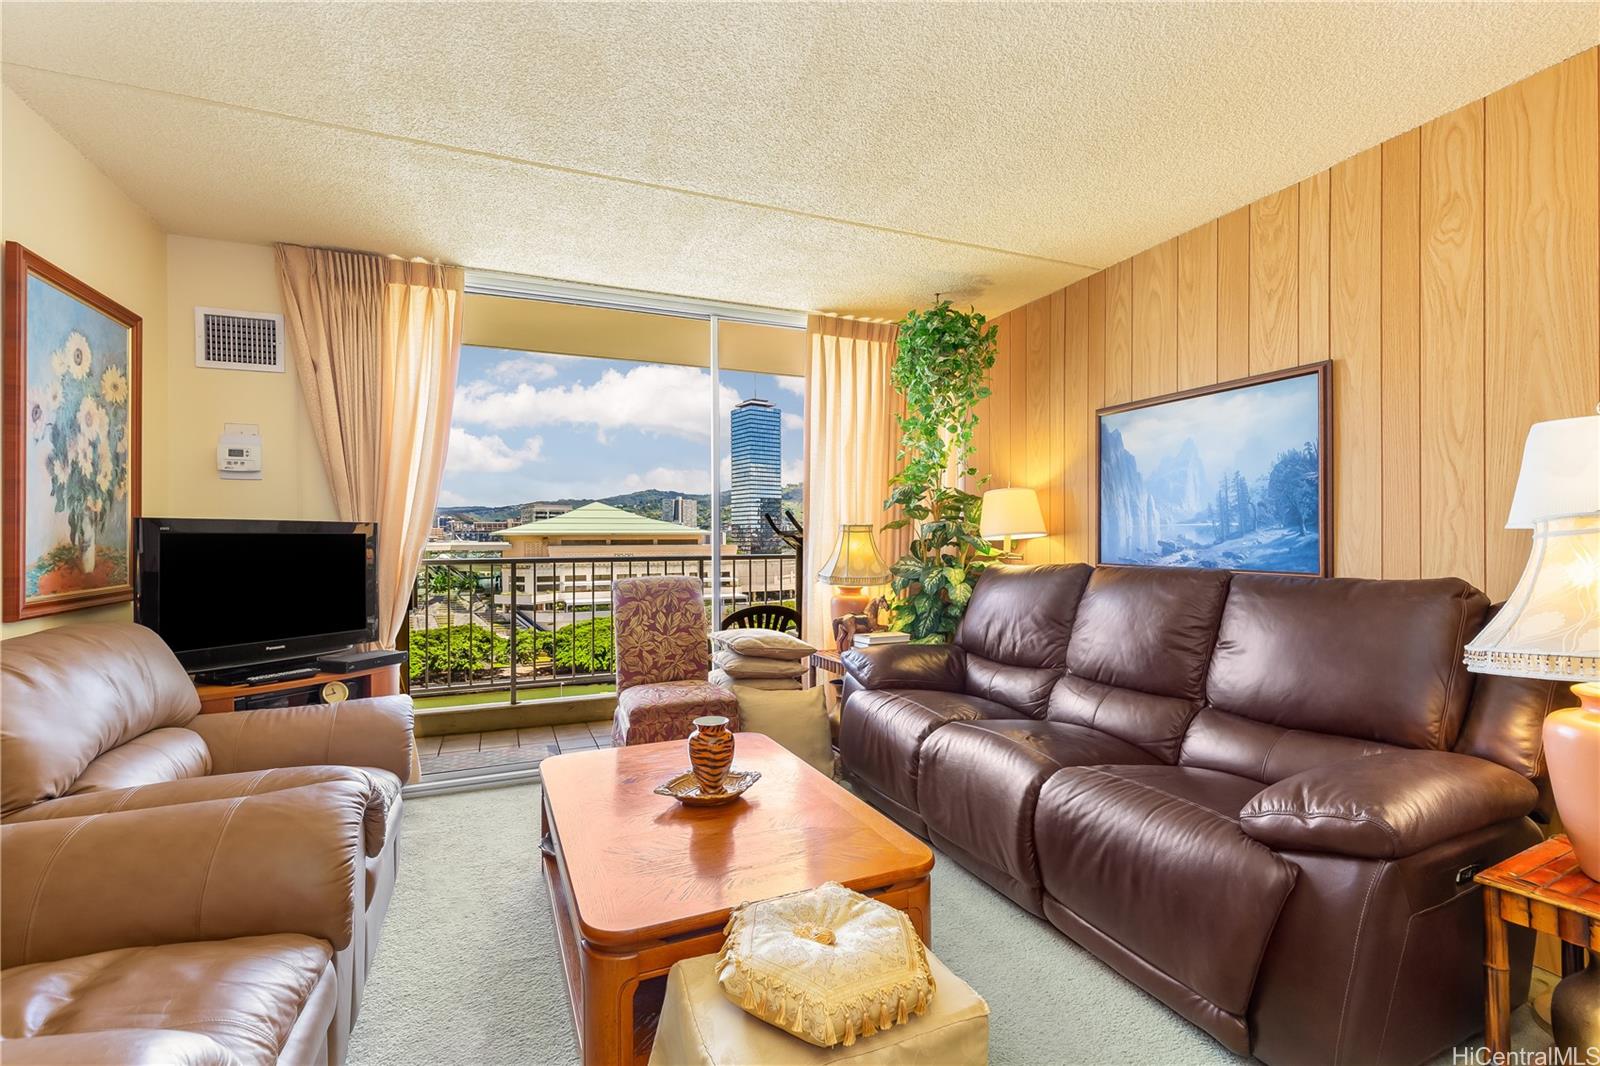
(468, 972)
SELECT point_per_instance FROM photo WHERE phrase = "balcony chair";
(773, 616)
(662, 658)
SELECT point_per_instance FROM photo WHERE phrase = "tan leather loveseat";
(179, 887)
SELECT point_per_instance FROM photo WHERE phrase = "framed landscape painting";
(1231, 476)
(71, 441)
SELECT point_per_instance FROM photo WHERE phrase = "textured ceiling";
(834, 157)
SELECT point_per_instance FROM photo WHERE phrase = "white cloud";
(691, 480)
(472, 454)
(793, 421)
(792, 384)
(524, 367)
(653, 398)
(450, 499)
(792, 471)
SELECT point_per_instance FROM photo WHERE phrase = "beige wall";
(233, 277)
(1451, 274)
(61, 207)
(55, 202)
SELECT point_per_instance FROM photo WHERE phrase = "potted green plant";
(943, 370)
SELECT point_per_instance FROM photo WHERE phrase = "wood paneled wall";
(1451, 273)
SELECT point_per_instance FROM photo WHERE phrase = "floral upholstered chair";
(662, 656)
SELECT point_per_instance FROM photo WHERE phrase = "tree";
(1243, 506)
(1292, 488)
(1224, 512)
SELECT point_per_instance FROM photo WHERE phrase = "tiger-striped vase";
(711, 752)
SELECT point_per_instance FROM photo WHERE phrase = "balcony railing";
(527, 625)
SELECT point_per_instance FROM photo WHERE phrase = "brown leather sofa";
(1260, 798)
(221, 876)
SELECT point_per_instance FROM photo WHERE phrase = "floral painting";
(72, 449)
(1231, 476)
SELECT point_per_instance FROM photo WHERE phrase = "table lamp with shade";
(1011, 515)
(854, 565)
(1550, 626)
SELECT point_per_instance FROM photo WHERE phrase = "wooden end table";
(823, 662)
(638, 882)
(1542, 889)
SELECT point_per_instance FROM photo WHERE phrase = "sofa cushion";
(881, 733)
(979, 783)
(1152, 857)
(72, 694)
(245, 994)
(1155, 723)
(1150, 629)
(1217, 740)
(1375, 660)
(1015, 632)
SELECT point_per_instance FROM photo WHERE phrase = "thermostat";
(239, 452)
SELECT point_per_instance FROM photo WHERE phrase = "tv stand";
(260, 673)
(319, 687)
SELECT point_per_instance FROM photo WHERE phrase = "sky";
(1241, 429)
(531, 426)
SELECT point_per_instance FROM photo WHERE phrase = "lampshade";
(1011, 513)
(1560, 472)
(1550, 627)
(855, 561)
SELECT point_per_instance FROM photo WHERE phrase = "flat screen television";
(226, 593)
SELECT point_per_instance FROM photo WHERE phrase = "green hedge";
(457, 652)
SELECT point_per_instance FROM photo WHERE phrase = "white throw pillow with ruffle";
(827, 965)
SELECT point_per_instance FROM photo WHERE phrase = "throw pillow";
(727, 680)
(828, 965)
(740, 667)
(797, 719)
(762, 643)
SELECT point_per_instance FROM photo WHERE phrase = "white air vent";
(238, 340)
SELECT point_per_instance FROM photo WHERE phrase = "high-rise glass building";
(757, 445)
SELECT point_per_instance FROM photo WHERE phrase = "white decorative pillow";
(762, 643)
(769, 684)
(828, 965)
(740, 667)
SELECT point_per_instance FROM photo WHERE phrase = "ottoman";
(700, 1026)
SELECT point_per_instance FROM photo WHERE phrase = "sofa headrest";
(1375, 660)
(1148, 628)
(1022, 615)
(70, 694)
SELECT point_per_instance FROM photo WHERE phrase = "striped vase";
(710, 752)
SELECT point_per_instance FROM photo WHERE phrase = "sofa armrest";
(280, 862)
(1388, 805)
(170, 1046)
(930, 666)
(370, 732)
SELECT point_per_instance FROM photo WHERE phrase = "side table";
(1542, 889)
(823, 662)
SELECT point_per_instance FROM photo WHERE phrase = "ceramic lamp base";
(1572, 751)
(847, 601)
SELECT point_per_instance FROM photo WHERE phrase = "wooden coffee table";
(638, 882)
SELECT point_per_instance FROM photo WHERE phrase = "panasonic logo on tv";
(276, 647)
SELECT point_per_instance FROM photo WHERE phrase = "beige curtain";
(333, 312)
(377, 342)
(421, 353)
(851, 441)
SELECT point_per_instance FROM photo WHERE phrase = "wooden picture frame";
(72, 434)
(1287, 548)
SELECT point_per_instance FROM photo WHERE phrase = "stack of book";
(868, 640)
